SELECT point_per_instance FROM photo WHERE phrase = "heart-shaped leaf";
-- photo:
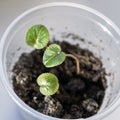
(37, 36)
(53, 56)
(48, 83)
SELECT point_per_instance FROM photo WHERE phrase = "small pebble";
(52, 107)
(90, 105)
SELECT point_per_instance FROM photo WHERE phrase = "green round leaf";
(48, 83)
(37, 36)
(53, 56)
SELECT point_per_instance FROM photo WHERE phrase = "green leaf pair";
(38, 37)
(53, 56)
(48, 84)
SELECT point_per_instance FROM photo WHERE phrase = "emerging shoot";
(77, 62)
(37, 36)
(53, 56)
(48, 83)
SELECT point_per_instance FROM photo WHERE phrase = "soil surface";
(79, 96)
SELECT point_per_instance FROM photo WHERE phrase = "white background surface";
(10, 9)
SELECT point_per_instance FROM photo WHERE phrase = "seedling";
(38, 37)
(48, 84)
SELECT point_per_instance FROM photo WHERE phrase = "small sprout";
(37, 36)
(48, 83)
(53, 56)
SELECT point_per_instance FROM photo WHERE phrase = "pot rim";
(20, 103)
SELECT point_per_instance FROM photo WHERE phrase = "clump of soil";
(79, 96)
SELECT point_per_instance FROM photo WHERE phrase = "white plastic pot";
(65, 17)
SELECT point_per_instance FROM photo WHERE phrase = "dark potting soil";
(79, 96)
